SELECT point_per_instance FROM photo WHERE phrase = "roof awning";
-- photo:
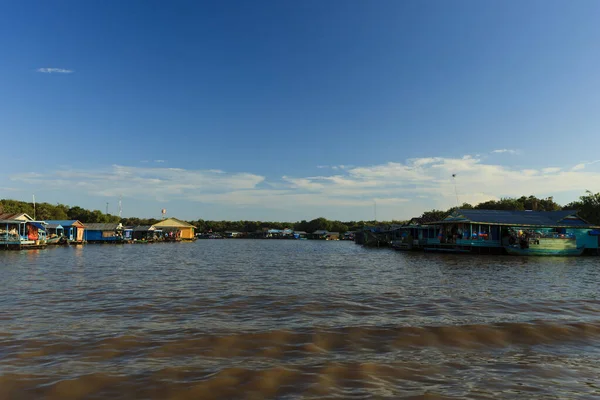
(38, 225)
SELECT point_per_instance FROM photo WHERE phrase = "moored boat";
(57, 240)
(546, 246)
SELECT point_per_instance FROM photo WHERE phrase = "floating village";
(524, 233)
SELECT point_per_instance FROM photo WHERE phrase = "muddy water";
(286, 319)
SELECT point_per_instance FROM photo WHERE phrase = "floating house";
(375, 236)
(413, 235)
(348, 235)
(20, 231)
(104, 233)
(72, 230)
(287, 232)
(145, 233)
(320, 234)
(514, 232)
(332, 236)
(176, 228)
(325, 235)
(273, 233)
(300, 235)
(128, 233)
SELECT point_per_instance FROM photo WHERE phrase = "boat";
(57, 240)
(546, 246)
(532, 251)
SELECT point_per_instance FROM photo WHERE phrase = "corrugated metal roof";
(143, 228)
(174, 223)
(13, 216)
(103, 227)
(65, 222)
(515, 218)
(38, 225)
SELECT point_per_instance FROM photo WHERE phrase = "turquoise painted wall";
(584, 239)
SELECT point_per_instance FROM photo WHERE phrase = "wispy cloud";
(509, 151)
(55, 70)
(334, 167)
(582, 165)
(159, 161)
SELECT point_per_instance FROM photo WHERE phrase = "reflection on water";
(286, 319)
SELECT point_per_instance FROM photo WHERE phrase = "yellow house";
(187, 230)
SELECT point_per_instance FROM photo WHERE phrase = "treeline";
(306, 226)
(588, 207)
(47, 211)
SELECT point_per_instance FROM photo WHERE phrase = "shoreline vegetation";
(587, 206)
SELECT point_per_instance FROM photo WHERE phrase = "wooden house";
(72, 230)
(177, 228)
(104, 233)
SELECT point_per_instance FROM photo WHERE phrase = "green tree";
(587, 207)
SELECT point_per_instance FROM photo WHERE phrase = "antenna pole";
(107, 208)
(120, 205)
(455, 191)
(33, 207)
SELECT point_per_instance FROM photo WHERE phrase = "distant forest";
(588, 207)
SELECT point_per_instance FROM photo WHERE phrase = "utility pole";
(107, 208)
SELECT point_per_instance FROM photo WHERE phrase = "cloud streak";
(582, 165)
(55, 71)
(508, 151)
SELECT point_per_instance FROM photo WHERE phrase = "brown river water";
(257, 319)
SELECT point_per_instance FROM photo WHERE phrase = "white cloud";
(550, 170)
(400, 189)
(509, 151)
(153, 182)
(159, 161)
(55, 70)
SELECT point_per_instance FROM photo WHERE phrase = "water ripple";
(295, 319)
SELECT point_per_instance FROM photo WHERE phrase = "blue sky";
(293, 110)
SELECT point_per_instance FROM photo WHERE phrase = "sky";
(289, 110)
